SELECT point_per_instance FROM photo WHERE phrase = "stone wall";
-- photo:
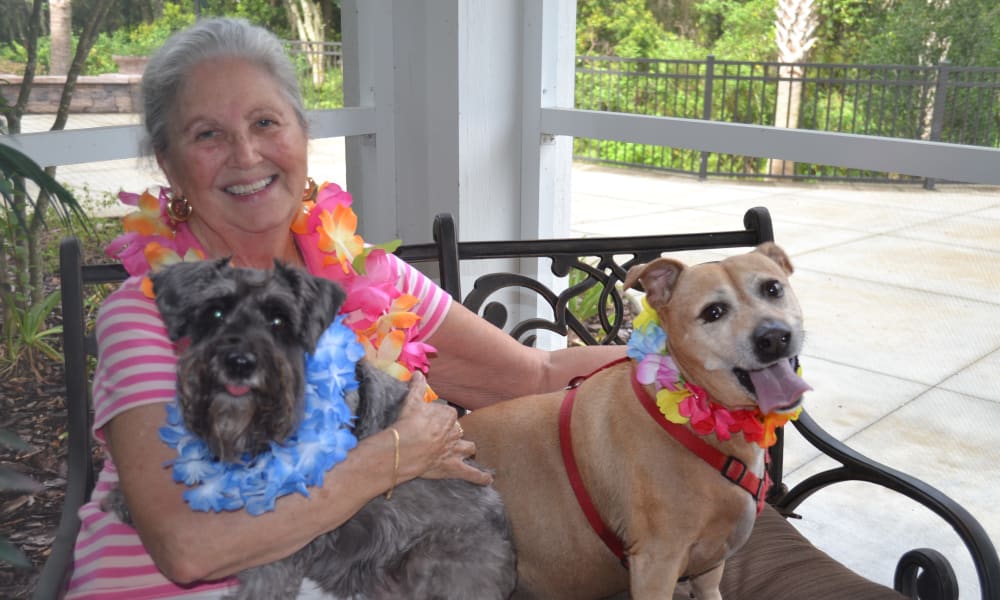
(108, 93)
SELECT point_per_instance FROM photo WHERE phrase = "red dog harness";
(729, 467)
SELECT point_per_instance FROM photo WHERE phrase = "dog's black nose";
(240, 364)
(771, 340)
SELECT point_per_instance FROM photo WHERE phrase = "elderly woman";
(226, 125)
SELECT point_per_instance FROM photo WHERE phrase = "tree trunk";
(98, 11)
(34, 255)
(61, 34)
(6, 293)
(13, 113)
(12, 289)
(306, 18)
(786, 111)
(793, 31)
(935, 52)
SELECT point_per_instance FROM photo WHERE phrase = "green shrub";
(29, 335)
(141, 40)
(586, 305)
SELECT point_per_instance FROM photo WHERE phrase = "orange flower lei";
(326, 234)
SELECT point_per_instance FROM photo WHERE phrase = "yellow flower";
(645, 318)
(669, 402)
(147, 220)
(398, 315)
(159, 256)
(336, 236)
(386, 355)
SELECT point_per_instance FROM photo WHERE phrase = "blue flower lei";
(322, 439)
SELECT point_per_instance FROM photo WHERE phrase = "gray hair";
(172, 63)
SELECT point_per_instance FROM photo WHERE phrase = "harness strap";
(732, 468)
(729, 467)
(610, 538)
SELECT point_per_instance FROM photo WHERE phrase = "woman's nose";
(245, 151)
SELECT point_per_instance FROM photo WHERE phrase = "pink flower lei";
(326, 234)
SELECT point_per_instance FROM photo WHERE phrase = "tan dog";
(733, 327)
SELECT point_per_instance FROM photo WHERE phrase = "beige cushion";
(779, 563)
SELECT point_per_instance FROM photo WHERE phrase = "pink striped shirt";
(137, 366)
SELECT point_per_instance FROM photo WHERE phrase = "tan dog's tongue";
(778, 387)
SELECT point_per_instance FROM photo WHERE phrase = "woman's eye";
(262, 123)
(205, 135)
(713, 312)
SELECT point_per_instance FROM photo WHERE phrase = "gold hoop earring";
(179, 209)
(309, 194)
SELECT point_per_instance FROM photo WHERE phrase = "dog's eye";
(713, 312)
(772, 288)
(213, 314)
(277, 319)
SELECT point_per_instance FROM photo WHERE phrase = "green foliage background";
(850, 33)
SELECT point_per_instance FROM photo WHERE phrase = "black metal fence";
(942, 103)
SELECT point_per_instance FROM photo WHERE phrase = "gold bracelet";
(395, 463)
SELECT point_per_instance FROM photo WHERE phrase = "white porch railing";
(971, 164)
(955, 162)
(77, 146)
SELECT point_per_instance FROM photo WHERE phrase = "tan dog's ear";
(775, 253)
(658, 279)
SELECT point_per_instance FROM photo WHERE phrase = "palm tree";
(61, 32)
(306, 17)
(794, 29)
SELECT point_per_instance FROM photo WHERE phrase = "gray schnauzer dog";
(251, 329)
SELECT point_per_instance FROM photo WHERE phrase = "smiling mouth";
(250, 188)
(776, 388)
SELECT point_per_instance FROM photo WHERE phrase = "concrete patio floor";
(901, 291)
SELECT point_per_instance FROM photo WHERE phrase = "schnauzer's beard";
(245, 333)
(238, 393)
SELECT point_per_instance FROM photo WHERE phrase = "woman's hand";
(430, 439)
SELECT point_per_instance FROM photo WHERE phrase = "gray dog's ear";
(319, 298)
(658, 279)
(177, 287)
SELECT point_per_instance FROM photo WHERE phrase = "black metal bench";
(922, 573)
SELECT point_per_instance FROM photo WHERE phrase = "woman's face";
(236, 150)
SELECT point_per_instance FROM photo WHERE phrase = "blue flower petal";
(652, 340)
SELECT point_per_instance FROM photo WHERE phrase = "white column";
(548, 74)
(457, 86)
(369, 80)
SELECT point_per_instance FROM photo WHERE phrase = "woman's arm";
(478, 364)
(189, 546)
